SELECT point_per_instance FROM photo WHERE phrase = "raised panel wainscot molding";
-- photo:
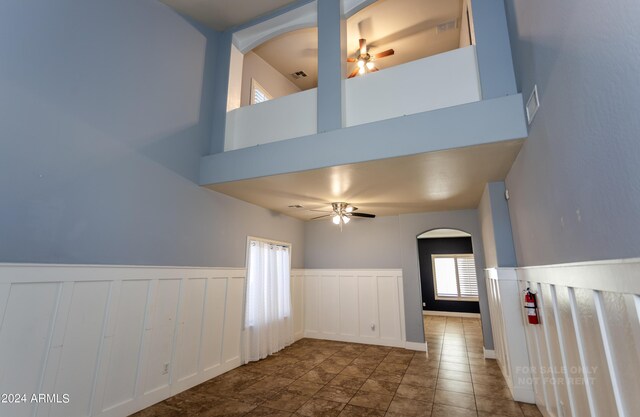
(116, 339)
(585, 354)
(355, 305)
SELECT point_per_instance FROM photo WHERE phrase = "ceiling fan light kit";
(365, 61)
(342, 213)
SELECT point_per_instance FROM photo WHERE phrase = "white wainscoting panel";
(585, 354)
(297, 302)
(363, 306)
(115, 339)
(510, 349)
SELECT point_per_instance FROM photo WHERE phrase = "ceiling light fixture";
(364, 59)
(341, 213)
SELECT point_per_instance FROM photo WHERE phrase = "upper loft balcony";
(383, 79)
(435, 82)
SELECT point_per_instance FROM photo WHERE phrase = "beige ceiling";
(223, 14)
(292, 52)
(446, 180)
(407, 26)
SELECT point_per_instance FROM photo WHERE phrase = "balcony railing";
(443, 80)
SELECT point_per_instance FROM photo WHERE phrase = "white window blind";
(455, 277)
(467, 280)
(258, 93)
(259, 96)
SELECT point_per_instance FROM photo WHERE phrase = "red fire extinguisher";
(531, 306)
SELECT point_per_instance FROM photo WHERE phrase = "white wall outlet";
(165, 369)
(424, 304)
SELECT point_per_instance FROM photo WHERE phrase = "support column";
(493, 48)
(331, 65)
(497, 242)
(220, 92)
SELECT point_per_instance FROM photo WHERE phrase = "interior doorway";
(448, 275)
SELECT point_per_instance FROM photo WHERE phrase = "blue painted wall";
(105, 111)
(497, 236)
(486, 121)
(575, 187)
(493, 49)
(332, 45)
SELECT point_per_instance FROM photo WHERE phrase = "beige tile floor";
(325, 378)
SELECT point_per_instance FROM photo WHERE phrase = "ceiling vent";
(446, 26)
(299, 74)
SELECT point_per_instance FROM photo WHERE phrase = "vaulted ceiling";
(407, 26)
(223, 14)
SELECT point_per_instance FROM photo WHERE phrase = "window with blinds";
(454, 277)
(258, 93)
(259, 96)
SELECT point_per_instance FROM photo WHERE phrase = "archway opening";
(449, 287)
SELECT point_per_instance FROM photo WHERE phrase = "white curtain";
(268, 321)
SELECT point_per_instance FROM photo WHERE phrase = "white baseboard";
(450, 314)
(489, 353)
(523, 394)
(420, 347)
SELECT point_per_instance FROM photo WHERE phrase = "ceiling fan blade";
(354, 73)
(367, 215)
(374, 69)
(383, 54)
(352, 60)
(363, 46)
(321, 217)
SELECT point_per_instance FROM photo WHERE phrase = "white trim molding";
(510, 346)
(617, 275)
(450, 314)
(583, 353)
(305, 16)
(420, 347)
(117, 339)
(355, 305)
(489, 353)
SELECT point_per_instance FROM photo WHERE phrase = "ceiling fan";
(342, 213)
(365, 60)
